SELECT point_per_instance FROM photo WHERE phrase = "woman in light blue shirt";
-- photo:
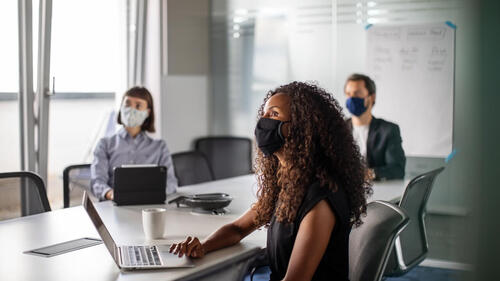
(130, 145)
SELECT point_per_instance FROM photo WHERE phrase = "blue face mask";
(356, 106)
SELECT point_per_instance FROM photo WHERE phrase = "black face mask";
(268, 135)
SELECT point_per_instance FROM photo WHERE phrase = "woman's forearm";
(231, 233)
(225, 236)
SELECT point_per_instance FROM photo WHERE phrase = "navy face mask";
(356, 106)
(268, 135)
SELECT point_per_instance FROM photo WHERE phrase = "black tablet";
(140, 184)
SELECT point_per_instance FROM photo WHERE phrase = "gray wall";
(185, 85)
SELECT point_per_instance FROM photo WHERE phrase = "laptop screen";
(101, 228)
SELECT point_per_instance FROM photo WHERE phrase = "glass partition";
(88, 61)
(9, 87)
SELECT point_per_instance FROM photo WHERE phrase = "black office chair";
(191, 167)
(411, 246)
(76, 180)
(370, 244)
(227, 156)
(26, 187)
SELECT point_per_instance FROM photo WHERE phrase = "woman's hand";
(109, 195)
(370, 175)
(226, 236)
(191, 247)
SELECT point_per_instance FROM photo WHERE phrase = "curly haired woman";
(312, 188)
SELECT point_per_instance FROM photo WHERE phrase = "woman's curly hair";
(319, 147)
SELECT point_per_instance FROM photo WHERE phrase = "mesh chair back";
(191, 167)
(227, 156)
(23, 194)
(370, 243)
(412, 242)
(76, 180)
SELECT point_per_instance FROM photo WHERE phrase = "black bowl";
(207, 201)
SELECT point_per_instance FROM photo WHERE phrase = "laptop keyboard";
(141, 256)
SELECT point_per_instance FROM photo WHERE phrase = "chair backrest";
(227, 156)
(191, 167)
(76, 180)
(413, 239)
(370, 244)
(24, 189)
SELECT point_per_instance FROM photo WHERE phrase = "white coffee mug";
(153, 222)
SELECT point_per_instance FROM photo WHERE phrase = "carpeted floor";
(419, 273)
(451, 238)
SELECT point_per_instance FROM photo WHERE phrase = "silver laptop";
(134, 257)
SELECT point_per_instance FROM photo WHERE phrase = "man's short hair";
(369, 84)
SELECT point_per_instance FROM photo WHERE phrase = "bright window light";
(377, 12)
(239, 19)
(241, 12)
(376, 20)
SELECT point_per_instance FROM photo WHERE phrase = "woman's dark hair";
(319, 147)
(142, 93)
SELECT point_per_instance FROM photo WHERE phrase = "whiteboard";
(413, 68)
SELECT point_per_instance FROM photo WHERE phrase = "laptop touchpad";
(171, 260)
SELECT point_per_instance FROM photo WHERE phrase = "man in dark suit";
(379, 141)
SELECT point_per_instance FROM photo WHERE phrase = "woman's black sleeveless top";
(281, 236)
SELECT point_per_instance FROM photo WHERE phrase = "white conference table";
(125, 225)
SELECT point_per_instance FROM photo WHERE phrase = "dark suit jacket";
(384, 153)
